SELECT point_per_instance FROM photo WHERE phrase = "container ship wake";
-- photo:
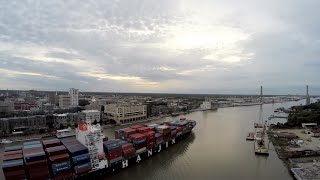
(89, 153)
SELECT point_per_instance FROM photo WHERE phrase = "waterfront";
(217, 149)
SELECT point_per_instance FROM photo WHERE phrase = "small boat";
(250, 136)
(5, 141)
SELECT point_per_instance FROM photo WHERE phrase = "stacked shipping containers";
(13, 165)
(139, 142)
(79, 156)
(165, 131)
(35, 160)
(150, 136)
(59, 160)
(113, 150)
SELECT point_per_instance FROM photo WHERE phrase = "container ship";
(89, 153)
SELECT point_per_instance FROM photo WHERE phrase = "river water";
(216, 149)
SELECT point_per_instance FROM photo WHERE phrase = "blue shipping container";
(139, 142)
(13, 148)
(18, 162)
(31, 143)
(59, 167)
(82, 166)
(32, 146)
(55, 149)
(80, 159)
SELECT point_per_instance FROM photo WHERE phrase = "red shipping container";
(39, 175)
(16, 177)
(34, 164)
(127, 146)
(12, 152)
(137, 137)
(37, 170)
(59, 158)
(129, 152)
(12, 157)
(66, 175)
(143, 129)
(151, 144)
(15, 172)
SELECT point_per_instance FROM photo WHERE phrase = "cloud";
(160, 46)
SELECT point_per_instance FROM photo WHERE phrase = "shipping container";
(39, 163)
(57, 150)
(35, 157)
(12, 157)
(59, 158)
(63, 175)
(12, 165)
(12, 152)
(60, 167)
(26, 147)
(31, 143)
(83, 168)
(81, 159)
(13, 148)
(143, 129)
(51, 143)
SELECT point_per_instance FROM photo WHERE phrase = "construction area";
(299, 149)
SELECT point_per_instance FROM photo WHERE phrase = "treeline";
(304, 114)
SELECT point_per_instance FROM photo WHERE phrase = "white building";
(92, 137)
(125, 113)
(74, 97)
(206, 105)
(64, 101)
(90, 116)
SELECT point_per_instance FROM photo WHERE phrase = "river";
(216, 149)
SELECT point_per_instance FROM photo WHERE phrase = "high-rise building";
(64, 101)
(74, 97)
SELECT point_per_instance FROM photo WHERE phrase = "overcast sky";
(194, 46)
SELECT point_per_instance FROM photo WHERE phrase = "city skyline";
(187, 47)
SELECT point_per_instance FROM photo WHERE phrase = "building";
(64, 120)
(64, 101)
(74, 97)
(93, 116)
(31, 122)
(125, 113)
(25, 105)
(206, 105)
(6, 106)
(48, 107)
(94, 105)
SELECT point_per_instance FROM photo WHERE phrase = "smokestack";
(307, 90)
